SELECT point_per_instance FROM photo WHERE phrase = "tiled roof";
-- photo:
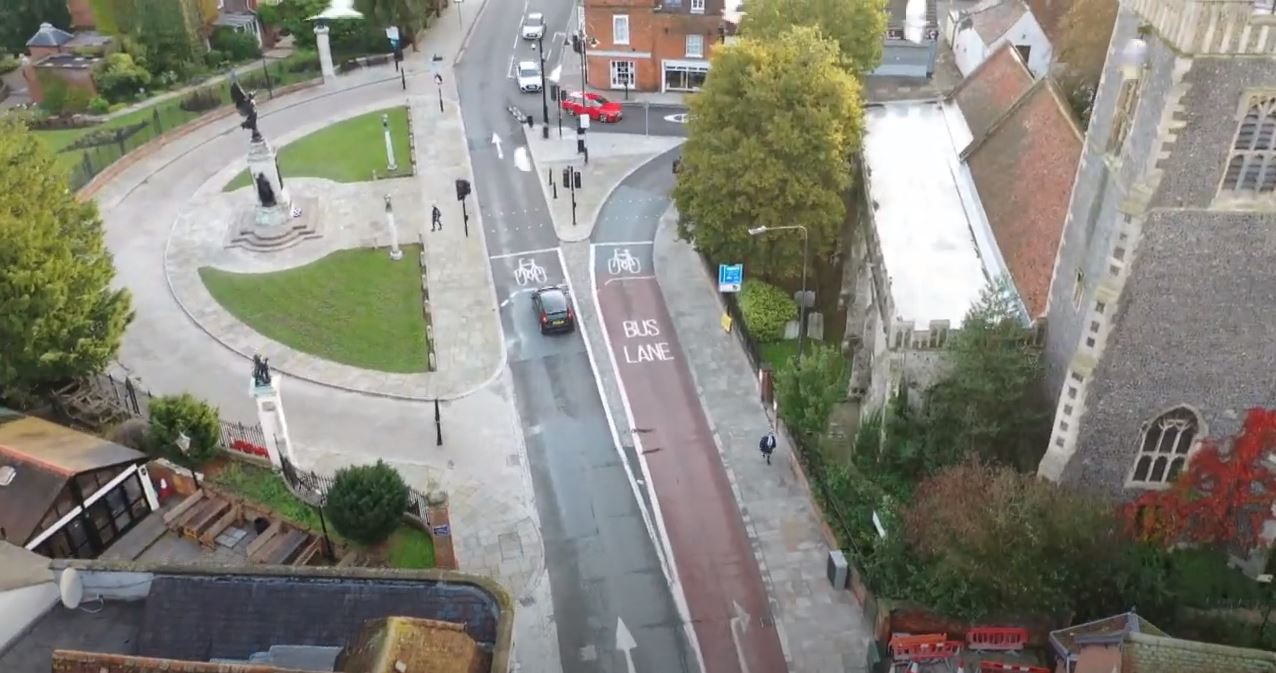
(419, 645)
(1143, 653)
(1050, 16)
(992, 20)
(69, 661)
(1023, 169)
(49, 36)
(990, 90)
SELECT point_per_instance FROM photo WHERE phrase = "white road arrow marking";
(741, 619)
(625, 643)
(556, 73)
(522, 160)
(496, 140)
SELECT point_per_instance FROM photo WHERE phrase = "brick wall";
(67, 661)
(81, 14)
(653, 37)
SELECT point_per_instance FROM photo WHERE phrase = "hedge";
(767, 309)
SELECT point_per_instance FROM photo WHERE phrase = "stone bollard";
(440, 530)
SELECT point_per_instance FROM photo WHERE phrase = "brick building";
(651, 45)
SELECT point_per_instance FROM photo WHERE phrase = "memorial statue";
(261, 371)
(244, 102)
(265, 194)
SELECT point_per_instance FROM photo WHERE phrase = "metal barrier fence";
(308, 484)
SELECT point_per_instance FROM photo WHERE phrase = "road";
(613, 607)
(711, 550)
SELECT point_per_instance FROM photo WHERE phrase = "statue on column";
(265, 194)
(261, 371)
(246, 104)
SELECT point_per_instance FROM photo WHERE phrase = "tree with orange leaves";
(1223, 497)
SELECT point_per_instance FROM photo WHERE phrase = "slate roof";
(49, 36)
(990, 89)
(1023, 170)
(21, 568)
(1145, 653)
(992, 19)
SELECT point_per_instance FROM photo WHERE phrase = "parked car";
(534, 26)
(598, 108)
(553, 310)
(529, 76)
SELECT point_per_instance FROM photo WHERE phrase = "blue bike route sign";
(730, 277)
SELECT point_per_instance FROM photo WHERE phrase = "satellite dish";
(72, 588)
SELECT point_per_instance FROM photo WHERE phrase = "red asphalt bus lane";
(711, 549)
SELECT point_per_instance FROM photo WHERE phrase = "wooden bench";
(209, 537)
(182, 507)
(261, 540)
(351, 558)
(206, 517)
(194, 511)
(308, 552)
(283, 547)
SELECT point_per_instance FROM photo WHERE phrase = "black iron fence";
(308, 484)
(739, 327)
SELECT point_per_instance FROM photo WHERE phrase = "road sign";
(730, 277)
(442, 531)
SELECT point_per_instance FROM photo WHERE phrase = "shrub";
(119, 77)
(77, 100)
(767, 309)
(366, 503)
(236, 45)
(172, 415)
(200, 100)
(8, 64)
(99, 105)
(55, 95)
(807, 389)
(214, 58)
(301, 60)
(130, 433)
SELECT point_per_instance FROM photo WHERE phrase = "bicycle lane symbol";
(529, 271)
(622, 261)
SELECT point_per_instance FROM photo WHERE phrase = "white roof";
(925, 207)
(535, 16)
(524, 65)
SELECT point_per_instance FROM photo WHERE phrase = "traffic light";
(576, 179)
(576, 43)
(462, 189)
(567, 176)
(554, 93)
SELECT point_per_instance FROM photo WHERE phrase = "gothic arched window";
(1164, 447)
(1251, 168)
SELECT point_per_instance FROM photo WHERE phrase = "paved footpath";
(823, 629)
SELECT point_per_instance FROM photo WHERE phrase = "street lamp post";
(183, 442)
(540, 46)
(806, 252)
(323, 525)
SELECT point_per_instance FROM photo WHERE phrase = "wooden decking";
(204, 515)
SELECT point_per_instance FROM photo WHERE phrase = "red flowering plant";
(1222, 499)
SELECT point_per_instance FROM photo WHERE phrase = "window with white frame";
(695, 46)
(1251, 169)
(623, 74)
(1078, 290)
(1164, 447)
(620, 29)
(1267, 7)
(697, 6)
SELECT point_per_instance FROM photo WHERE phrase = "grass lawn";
(410, 548)
(356, 307)
(407, 547)
(171, 115)
(348, 151)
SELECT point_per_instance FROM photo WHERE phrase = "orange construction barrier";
(1000, 667)
(907, 643)
(929, 649)
(997, 638)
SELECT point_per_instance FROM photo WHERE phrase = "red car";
(598, 108)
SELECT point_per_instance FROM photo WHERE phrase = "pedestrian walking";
(436, 219)
(767, 445)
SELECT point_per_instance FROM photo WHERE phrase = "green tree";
(59, 315)
(367, 502)
(996, 541)
(175, 415)
(857, 26)
(767, 309)
(987, 405)
(348, 36)
(410, 16)
(119, 77)
(20, 19)
(808, 387)
(771, 136)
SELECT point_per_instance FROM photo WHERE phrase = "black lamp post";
(323, 526)
(540, 46)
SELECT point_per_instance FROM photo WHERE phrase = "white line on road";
(609, 281)
(623, 243)
(671, 568)
(524, 253)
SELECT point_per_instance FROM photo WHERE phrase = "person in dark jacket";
(767, 445)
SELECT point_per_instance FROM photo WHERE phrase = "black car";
(553, 310)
